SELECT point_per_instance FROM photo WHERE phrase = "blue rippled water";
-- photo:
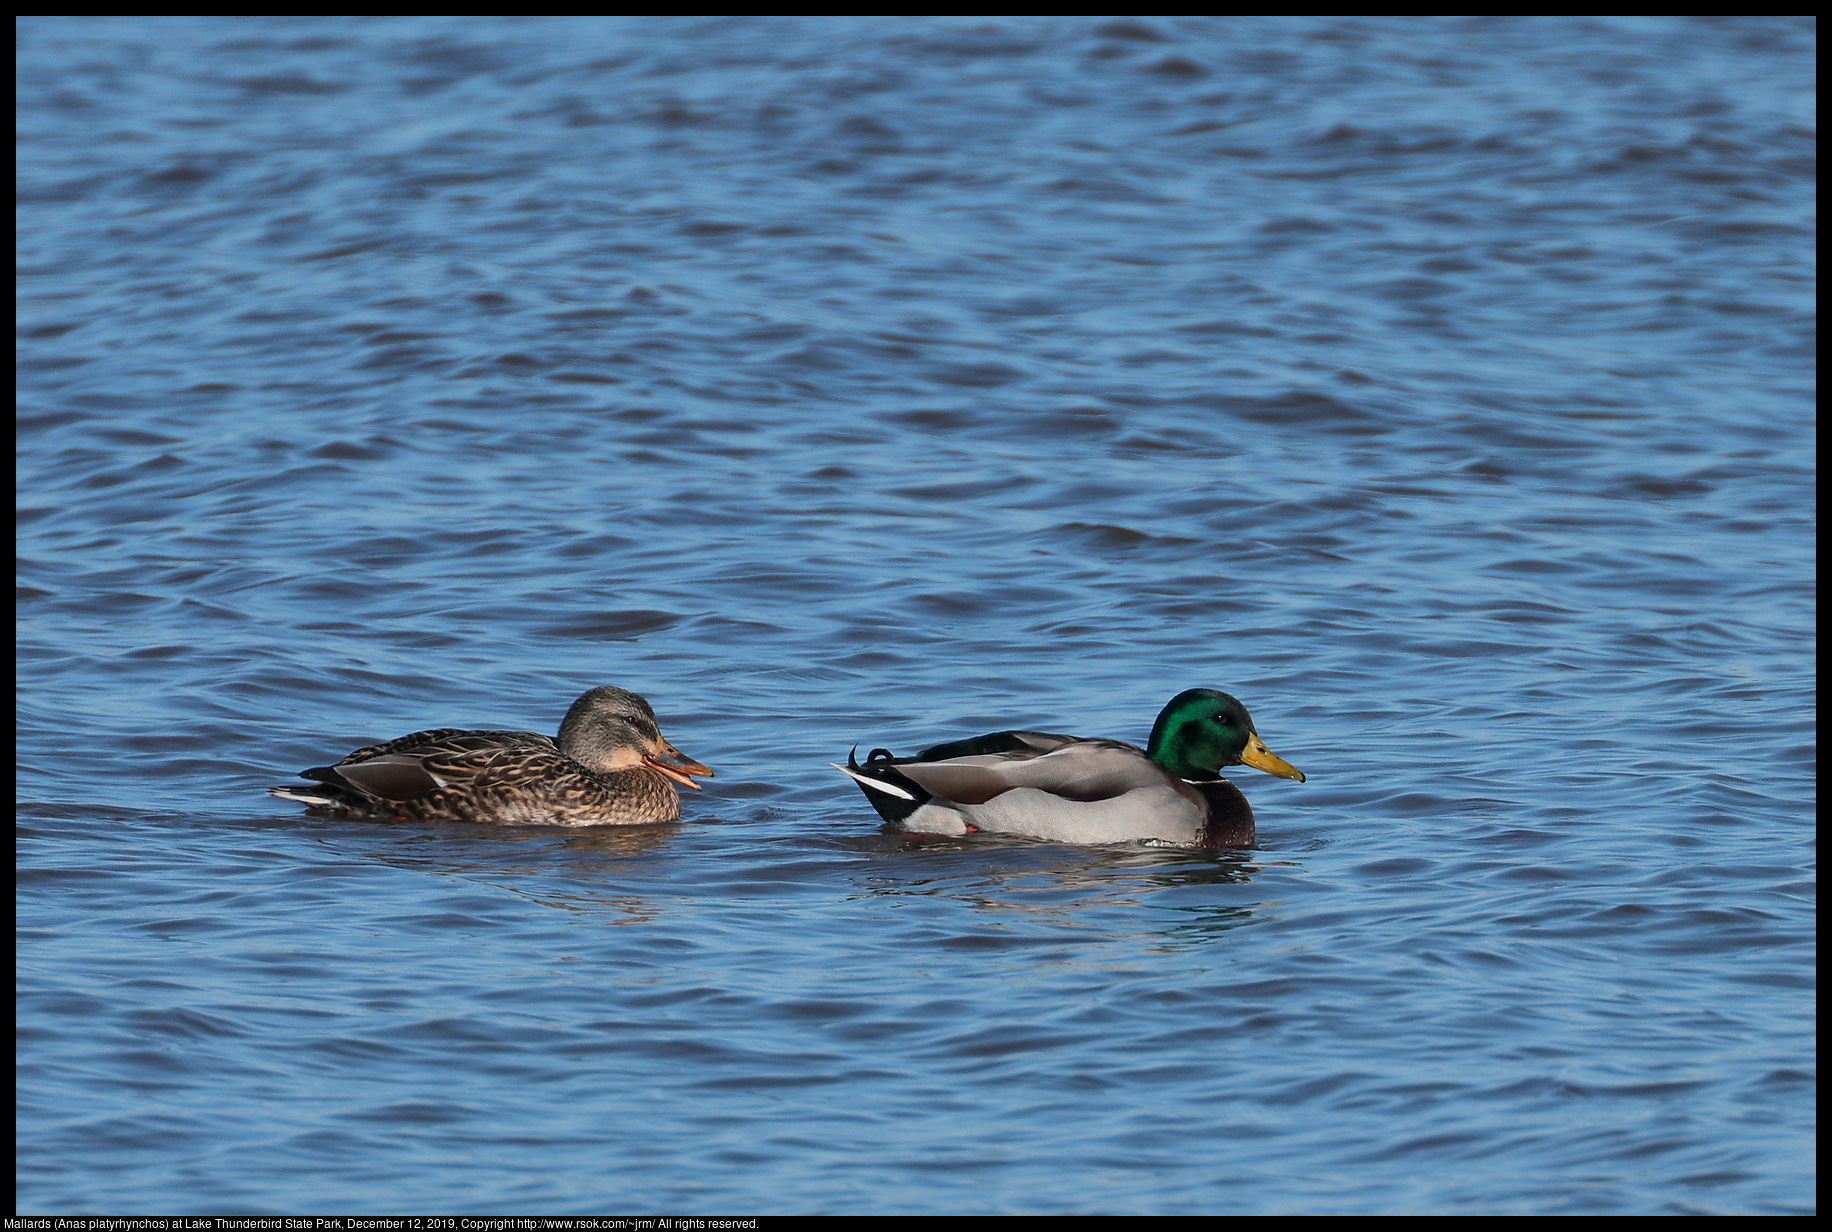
(1442, 388)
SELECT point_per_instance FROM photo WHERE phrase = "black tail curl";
(881, 767)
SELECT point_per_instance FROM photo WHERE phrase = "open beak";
(676, 765)
(1257, 755)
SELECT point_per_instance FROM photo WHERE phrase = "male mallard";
(1075, 790)
(609, 767)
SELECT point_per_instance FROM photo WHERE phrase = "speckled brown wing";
(452, 738)
(524, 784)
(375, 780)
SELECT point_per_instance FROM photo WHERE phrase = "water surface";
(1440, 388)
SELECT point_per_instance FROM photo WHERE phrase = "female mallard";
(1074, 790)
(609, 767)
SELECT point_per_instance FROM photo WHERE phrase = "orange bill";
(676, 765)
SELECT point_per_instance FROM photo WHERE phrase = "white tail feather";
(889, 789)
(302, 795)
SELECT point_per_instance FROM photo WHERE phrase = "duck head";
(610, 729)
(1202, 730)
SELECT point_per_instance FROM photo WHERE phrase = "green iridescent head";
(1202, 730)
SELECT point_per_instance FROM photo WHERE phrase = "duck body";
(1072, 789)
(609, 766)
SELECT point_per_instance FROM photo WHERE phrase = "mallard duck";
(1075, 790)
(609, 767)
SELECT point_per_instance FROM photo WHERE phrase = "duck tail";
(894, 796)
(311, 797)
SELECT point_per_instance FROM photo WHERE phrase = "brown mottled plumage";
(609, 767)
